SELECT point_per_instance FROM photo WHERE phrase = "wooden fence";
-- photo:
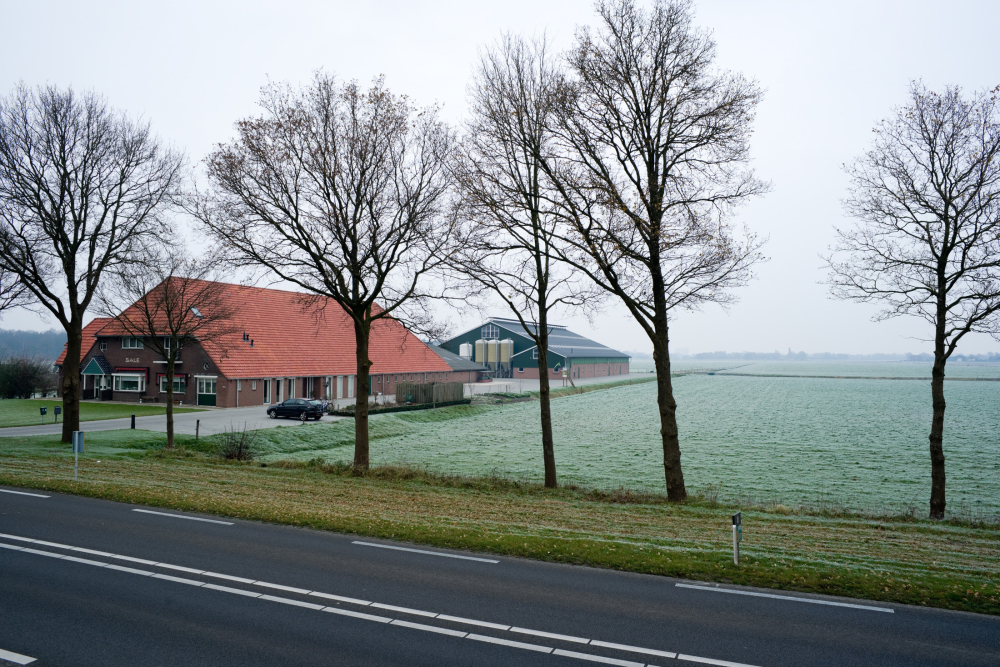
(431, 392)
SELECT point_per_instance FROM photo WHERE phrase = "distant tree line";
(48, 344)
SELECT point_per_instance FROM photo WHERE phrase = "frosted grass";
(853, 442)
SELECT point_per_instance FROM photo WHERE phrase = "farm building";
(286, 350)
(507, 350)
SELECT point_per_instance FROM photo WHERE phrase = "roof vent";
(197, 313)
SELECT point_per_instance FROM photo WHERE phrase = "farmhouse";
(284, 350)
(506, 349)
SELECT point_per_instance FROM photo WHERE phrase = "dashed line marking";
(423, 551)
(16, 658)
(785, 597)
(181, 516)
(23, 493)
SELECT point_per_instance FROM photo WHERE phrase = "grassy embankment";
(24, 412)
(890, 559)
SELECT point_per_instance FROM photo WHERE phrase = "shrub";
(238, 444)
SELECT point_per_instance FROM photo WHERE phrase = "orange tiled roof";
(293, 340)
(89, 332)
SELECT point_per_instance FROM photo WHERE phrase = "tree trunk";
(937, 432)
(71, 382)
(668, 419)
(170, 402)
(362, 330)
(548, 453)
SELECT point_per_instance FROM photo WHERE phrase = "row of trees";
(609, 172)
(23, 376)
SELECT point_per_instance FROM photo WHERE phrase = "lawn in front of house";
(25, 411)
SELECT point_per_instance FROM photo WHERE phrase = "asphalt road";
(104, 584)
(212, 421)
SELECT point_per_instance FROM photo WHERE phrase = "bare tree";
(343, 192)
(12, 291)
(81, 189)
(508, 246)
(926, 197)
(169, 301)
(659, 142)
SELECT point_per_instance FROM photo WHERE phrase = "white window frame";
(179, 385)
(200, 379)
(253, 385)
(134, 343)
(141, 377)
(104, 346)
(534, 353)
(350, 386)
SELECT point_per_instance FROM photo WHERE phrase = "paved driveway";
(212, 421)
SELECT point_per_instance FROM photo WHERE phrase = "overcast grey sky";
(831, 70)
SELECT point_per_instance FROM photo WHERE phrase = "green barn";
(507, 350)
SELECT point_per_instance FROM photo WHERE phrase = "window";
(490, 331)
(131, 343)
(130, 382)
(253, 385)
(521, 369)
(534, 353)
(104, 346)
(239, 385)
(179, 385)
(291, 387)
(350, 386)
(267, 391)
(206, 385)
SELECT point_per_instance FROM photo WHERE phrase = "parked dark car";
(299, 408)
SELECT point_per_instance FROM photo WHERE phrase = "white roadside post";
(77, 450)
(737, 536)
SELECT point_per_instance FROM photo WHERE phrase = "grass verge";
(24, 412)
(900, 560)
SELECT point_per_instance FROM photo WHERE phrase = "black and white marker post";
(737, 536)
(77, 450)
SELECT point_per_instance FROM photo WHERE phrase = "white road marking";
(290, 589)
(297, 603)
(786, 597)
(597, 658)
(189, 518)
(422, 551)
(405, 610)
(340, 598)
(359, 615)
(710, 661)
(507, 642)
(429, 628)
(551, 635)
(472, 621)
(16, 658)
(24, 493)
(227, 589)
(633, 649)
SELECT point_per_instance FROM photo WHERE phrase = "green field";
(25, 412)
